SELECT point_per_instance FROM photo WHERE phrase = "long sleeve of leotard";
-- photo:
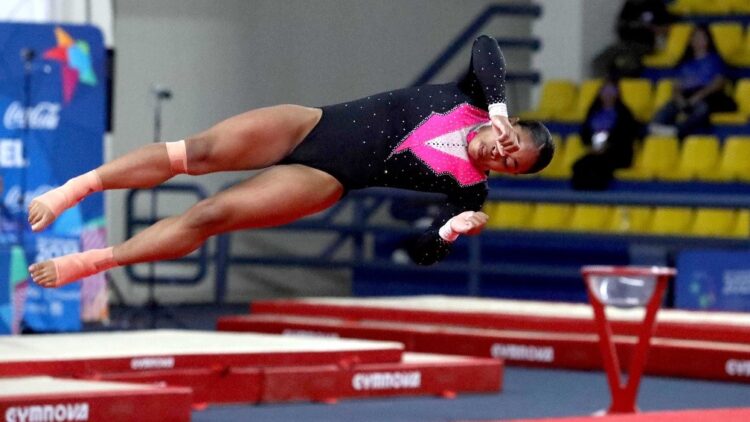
(487, 70)
(429, 247)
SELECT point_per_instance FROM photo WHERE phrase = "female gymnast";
(435, 138)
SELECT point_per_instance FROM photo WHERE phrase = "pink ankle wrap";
(177, 152)
(75, 266)
(71, 193)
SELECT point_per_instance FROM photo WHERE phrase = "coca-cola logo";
(43, 116)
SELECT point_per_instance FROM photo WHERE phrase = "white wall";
(573, 32)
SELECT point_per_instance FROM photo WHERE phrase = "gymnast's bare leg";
(252, 140)
(273, 197)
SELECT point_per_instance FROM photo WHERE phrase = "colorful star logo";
(75, 60)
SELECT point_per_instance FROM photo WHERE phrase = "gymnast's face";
(483, 152)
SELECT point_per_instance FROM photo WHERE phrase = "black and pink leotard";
(414, 138)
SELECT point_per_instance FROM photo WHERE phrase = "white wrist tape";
(447, 233)
(498, 109)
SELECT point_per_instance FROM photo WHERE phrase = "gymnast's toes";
(44, 274)
(40, 216)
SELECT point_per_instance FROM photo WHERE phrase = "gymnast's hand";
(469, 222)
(505, 137)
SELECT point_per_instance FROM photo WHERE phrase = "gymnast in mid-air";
(442, 138)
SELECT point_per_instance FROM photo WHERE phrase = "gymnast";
(441, 138)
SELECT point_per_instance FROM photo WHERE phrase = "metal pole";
(27, 55)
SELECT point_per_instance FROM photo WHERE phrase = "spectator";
(642, 25)
(609, 130)
(698, 92)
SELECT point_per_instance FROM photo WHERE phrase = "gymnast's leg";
(274, 197)
(252, 140)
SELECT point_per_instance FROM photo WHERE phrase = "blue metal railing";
(472, 30)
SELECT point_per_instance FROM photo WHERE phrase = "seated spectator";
(699, 90)
(610, 130)
(642, 25)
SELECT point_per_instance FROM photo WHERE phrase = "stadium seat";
(551, 216)
(637, 94)
(561, 166)
(557, 96)
(631, 219)
(741, 227)
(713, 222)
(677, 41)
(699, 155)
(700, 7)
(741, 7)
(586, 94)
(509, 215)
(742, 114)
(727, 37)
(588, 218)
(658, 156)
(671, 221)
(733, 163)
(662, 94)
(741, 57)
(554, 169)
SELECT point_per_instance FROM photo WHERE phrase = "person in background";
(699, 90)
(642, 26)
(609, 130)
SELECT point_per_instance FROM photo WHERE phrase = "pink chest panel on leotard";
(440, 142)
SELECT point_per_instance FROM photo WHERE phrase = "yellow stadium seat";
(509, 215)
(671, 221)
(550, 216)
(637, 95)
(727, 37)
(662, 94)
(561, 166)
(658, 157)
(713, 222)
(741, 57)
(701, 7)
(589, 218)
(631, 219)
(733, 163)
(557, 96)
(586, 95)
(741, 6)
(699, 156)
(742, 114)
(677, 41)
(554, 169)
(741, 227)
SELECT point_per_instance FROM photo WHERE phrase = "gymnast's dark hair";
(542, 141)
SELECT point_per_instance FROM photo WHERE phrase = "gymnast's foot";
(69, 268)
(40, 216)
(44, 273)
(44, 209)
